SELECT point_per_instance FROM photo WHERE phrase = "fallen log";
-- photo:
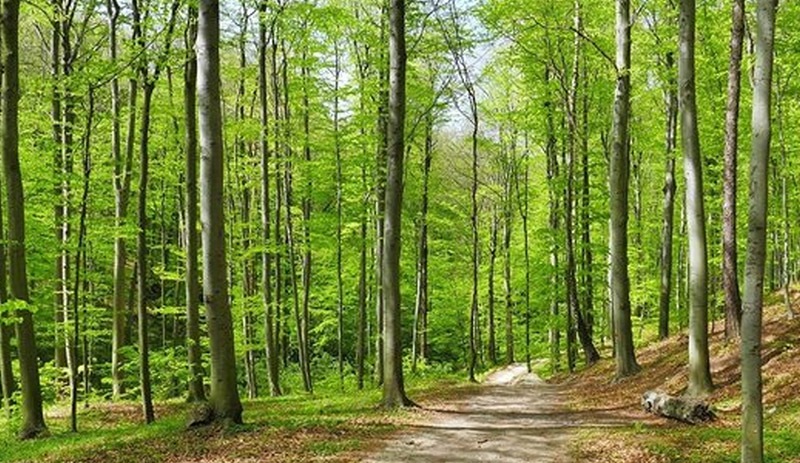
(683, 409)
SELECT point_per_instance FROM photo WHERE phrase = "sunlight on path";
(517, 418)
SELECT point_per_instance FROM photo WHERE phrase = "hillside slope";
(652, 439)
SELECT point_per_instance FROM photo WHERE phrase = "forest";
(309, 230)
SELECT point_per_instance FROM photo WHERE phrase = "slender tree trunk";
(32, 416)
(590, 353)
(224, 398)
(730, 279)
(619, 183)
(421, 305)
(338, 155)
(141, 258)
(7, 382)
(196, 390)
(381, 156)
(699, 365)
(291, 241)
(671, 99)
(394, 394)
(278, 242)
(473, 341)
(306, 205)
(492, 347)
(80, 252)
(509, 311)
(552, 176)
(786, 176)
(752, 407)
(56, 116)
(270, 333)
(586, 216)
(362, 335)
(363, 328)
(122, 167)
(525, 208)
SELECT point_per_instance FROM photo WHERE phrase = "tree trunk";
(306, 204)
(32, 416)
(619, 183)
(671, 98)
(122, 179)
(730, 279)
(752, 407)
(421, 306)
(7, 383)
(338, 155)
(492, 346)
(509, 315)
(196, 390)
(381, 161)
(80, 252)
(270, 333)
(552, 176)
(590, 353)
(291, 242)
(60, 356)
(786, 177)
(224, 399)
(699, 366)
(394, 394)
(278, 242)
(141, 259)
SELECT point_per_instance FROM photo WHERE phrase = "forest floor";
(513, 417)
(329, 426)
(648, 439)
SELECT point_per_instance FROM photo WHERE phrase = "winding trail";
(516, 417)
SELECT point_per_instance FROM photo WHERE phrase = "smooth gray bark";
(196, 390)
(394, 394)
(33, 423)
(699, 365)
(224, 397)
(752, 406)
(619, 183)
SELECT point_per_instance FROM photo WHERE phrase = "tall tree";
(7, 382)
(619, 183)
(122, 179)
(270, 333)
(752, 407)
(730, 279)
(196, 390)
(394, 394)
(32, 417)
(224, 398)
(573, 301)
(668, 224)
(699, 364)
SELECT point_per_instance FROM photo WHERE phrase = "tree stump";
(687, 410)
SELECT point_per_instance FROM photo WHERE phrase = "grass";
(329, 426)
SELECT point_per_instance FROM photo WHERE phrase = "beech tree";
(33, 423)
(699, 364)
(394, 394)
(619, 180)
(224, 398)
(752, 406)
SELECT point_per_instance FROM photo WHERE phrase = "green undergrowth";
(297, 427)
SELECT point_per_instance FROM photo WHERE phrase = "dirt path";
(516, 418)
